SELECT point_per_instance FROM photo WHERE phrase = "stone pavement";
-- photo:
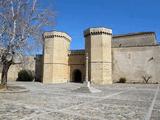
(64, 102)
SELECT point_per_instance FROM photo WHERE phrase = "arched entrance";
(77, 76)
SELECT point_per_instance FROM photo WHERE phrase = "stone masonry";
(56, 69)
(131, 56)
(98, 47)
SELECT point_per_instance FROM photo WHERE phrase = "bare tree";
(21, 26)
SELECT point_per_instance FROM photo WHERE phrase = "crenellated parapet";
(97, 31)
(55, 34)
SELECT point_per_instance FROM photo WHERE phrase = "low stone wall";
(29, 64)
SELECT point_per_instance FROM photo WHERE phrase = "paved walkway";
(64, 102)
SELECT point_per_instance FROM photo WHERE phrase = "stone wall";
(28, 63)
(134, 62)
(133, 57)
(77, 62)
(135, 39)
(13, 72)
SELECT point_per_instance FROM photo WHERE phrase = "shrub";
(25, 75)
(122, 80)
(146, 78)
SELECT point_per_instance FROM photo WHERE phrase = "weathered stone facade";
(98, 47)
(133, 63)
(56, 48)
(28, 63)
(110, 58)
(130, 56)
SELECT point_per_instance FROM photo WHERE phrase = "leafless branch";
(21, 27)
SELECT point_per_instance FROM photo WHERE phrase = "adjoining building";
(134, 57)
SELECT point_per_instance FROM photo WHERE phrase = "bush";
(122, 80)
(25, 75)
(146, 78)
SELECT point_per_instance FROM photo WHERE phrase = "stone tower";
(56, 69)
(98, 47)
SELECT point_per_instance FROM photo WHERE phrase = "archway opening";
(77, 76)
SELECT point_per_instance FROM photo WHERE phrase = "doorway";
(77, 76)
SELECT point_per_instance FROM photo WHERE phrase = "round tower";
(98, 48)
(55, 69)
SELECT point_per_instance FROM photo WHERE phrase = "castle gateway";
(134, 57)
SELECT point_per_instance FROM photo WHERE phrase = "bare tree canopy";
(21, 25)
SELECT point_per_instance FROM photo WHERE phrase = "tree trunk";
(5, 73)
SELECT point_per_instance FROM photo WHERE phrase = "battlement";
(54, 34)
(97, 31)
